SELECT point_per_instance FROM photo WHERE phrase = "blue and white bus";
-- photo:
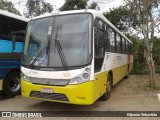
(10, 52)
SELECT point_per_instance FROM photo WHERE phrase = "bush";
(139, 64)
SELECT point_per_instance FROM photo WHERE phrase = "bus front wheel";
(106, 95)
(11, 86)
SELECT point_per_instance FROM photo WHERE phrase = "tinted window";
(111, 37)
(107, 41)
(99, 39)
(99, 44)
(123, 45)
(118, 43)
(6, 46)
(127, 47)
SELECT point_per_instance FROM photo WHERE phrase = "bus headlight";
(79, 79)
(24, 77)
(84, 77)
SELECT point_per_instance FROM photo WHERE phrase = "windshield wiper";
(60, 52)
(42, 51)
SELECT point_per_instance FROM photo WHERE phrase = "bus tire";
(11, 86)
(106, 95)
(127, 75)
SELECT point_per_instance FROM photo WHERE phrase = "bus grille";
(60, 82)
(49, 96)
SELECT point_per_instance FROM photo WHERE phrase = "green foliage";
(8, 5)
(123, 18)
(93, 5)
(139, 64)
(156, 54)
(74, 5)
(37, 7)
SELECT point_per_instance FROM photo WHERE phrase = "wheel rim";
(14, 84)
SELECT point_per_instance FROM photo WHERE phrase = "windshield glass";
(58, 41)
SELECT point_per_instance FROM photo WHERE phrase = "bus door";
(99, 38)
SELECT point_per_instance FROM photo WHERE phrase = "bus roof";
(14, 16)
(95, 13)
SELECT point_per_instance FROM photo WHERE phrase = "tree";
(37, 7)
(8, 5)
(144, 9)
(124, 18)
(93, 5)
(74, 5)
(139, 65)
(156, 56)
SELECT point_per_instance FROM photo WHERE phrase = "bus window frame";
(96, 20)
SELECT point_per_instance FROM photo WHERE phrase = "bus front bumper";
(82, 94)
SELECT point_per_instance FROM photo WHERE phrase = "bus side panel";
(119, 73)
(9, 59)
(100, 84)
(117, 64)
(5, 67)
(101, 77)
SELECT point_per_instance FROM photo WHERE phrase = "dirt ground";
(131, 94)
(137, 93)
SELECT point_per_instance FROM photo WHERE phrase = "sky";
(104, 5)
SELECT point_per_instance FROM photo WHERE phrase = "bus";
(73, 57)
(10, 52)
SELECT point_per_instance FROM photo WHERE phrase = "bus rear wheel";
(127, 74)
(11, 86)
(106, 95)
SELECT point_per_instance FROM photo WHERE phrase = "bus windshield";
(58, 41)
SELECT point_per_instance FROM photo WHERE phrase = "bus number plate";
(46, 90)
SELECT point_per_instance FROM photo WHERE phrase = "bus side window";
(111, 38)
(18, 41)
(123, 46)
(107, 41)
(96, 39)
(99, 43)
(118, 43)
(127, 47)
(129, 50)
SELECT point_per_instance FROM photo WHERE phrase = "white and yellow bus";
(74, 57)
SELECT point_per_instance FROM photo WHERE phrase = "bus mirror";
(13, 42)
